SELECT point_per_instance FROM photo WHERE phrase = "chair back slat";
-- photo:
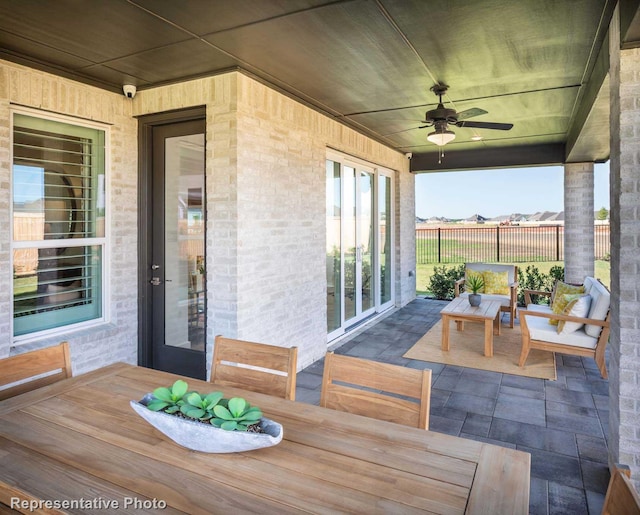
(255, 366)
(27, 370)
(377, 390)
(621, 497)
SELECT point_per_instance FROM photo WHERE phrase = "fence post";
(439, 247)
(498, 243)
(557, 243)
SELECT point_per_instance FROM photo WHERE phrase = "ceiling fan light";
(441, 138)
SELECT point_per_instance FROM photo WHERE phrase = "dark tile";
(308, 396)
(524, 383)
(477, 424)
(439, 398)
(595, 502)
(601, 401)
(521, 392)
(595, 476)
(574, 423)
(591, 448)
(471, 403)
(447, 412)
(520, 409)
(569, 397)
(308, 380)
(539, 497)
(446, 381)
(530, 435)
(483, 376)
(570, 409)
(445, 425)
(562, 470)
(564, 500)
(473, 387)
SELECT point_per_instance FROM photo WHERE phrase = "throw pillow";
(496, 282)
(469, 273)
(578, 306)
(559, 300)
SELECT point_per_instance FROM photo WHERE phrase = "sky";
(493, 193)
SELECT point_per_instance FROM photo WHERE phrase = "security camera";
(129, 90)
(408, 155)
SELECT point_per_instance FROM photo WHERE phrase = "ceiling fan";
(440, 118)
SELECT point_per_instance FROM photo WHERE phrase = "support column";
(624, 363)
(579, 249)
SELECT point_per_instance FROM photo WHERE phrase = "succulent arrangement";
(234, 414)
(475, 283)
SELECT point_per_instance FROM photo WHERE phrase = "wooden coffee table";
(461, 311)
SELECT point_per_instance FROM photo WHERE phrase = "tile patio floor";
(562, 423)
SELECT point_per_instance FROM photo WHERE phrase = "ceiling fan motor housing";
(441, 113)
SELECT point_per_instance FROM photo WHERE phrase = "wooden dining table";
(79, 440)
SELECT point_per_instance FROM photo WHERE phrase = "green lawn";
(424, 272)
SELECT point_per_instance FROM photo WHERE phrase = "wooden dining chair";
(26, 372)
(621, 497)
(376, 390)
(255, 366)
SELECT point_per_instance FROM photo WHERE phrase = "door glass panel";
(334, 290)
(365, 242)
(350, 242)
(384, 224)
(184, 234)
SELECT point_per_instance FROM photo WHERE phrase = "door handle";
(155, 281)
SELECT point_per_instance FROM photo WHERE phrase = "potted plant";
(209, 423)
(475, 283)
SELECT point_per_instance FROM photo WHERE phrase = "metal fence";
(512, 244)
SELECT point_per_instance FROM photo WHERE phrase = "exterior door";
(358, 245)
(173, 330)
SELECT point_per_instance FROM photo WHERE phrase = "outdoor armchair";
(583, 324)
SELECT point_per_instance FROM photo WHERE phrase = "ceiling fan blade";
(469, 113)
(486, 125)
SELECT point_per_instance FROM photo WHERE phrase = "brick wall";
(624, 381)
(266, 208)
(117, 341)
(578, 227)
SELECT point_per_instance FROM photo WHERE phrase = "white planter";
(197, 436)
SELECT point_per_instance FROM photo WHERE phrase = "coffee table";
(461, 311)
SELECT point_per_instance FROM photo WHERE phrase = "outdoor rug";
(467, 350)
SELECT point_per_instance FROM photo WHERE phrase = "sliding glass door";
(359, 248)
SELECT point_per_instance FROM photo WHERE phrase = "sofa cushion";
(600, 301)
(562, 288)
(560, 300)
(539, 329)
(578, 306)
(494, 267)
(496, 282)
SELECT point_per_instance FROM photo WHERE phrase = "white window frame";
(377, 171)
(104, 241)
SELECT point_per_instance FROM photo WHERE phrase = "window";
(58, 239)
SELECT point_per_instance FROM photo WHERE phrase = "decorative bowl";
(202, 437)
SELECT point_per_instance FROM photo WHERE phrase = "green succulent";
(238, 415)
(234, 414)
(475, 283)
(169, 400)
(200, 407)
